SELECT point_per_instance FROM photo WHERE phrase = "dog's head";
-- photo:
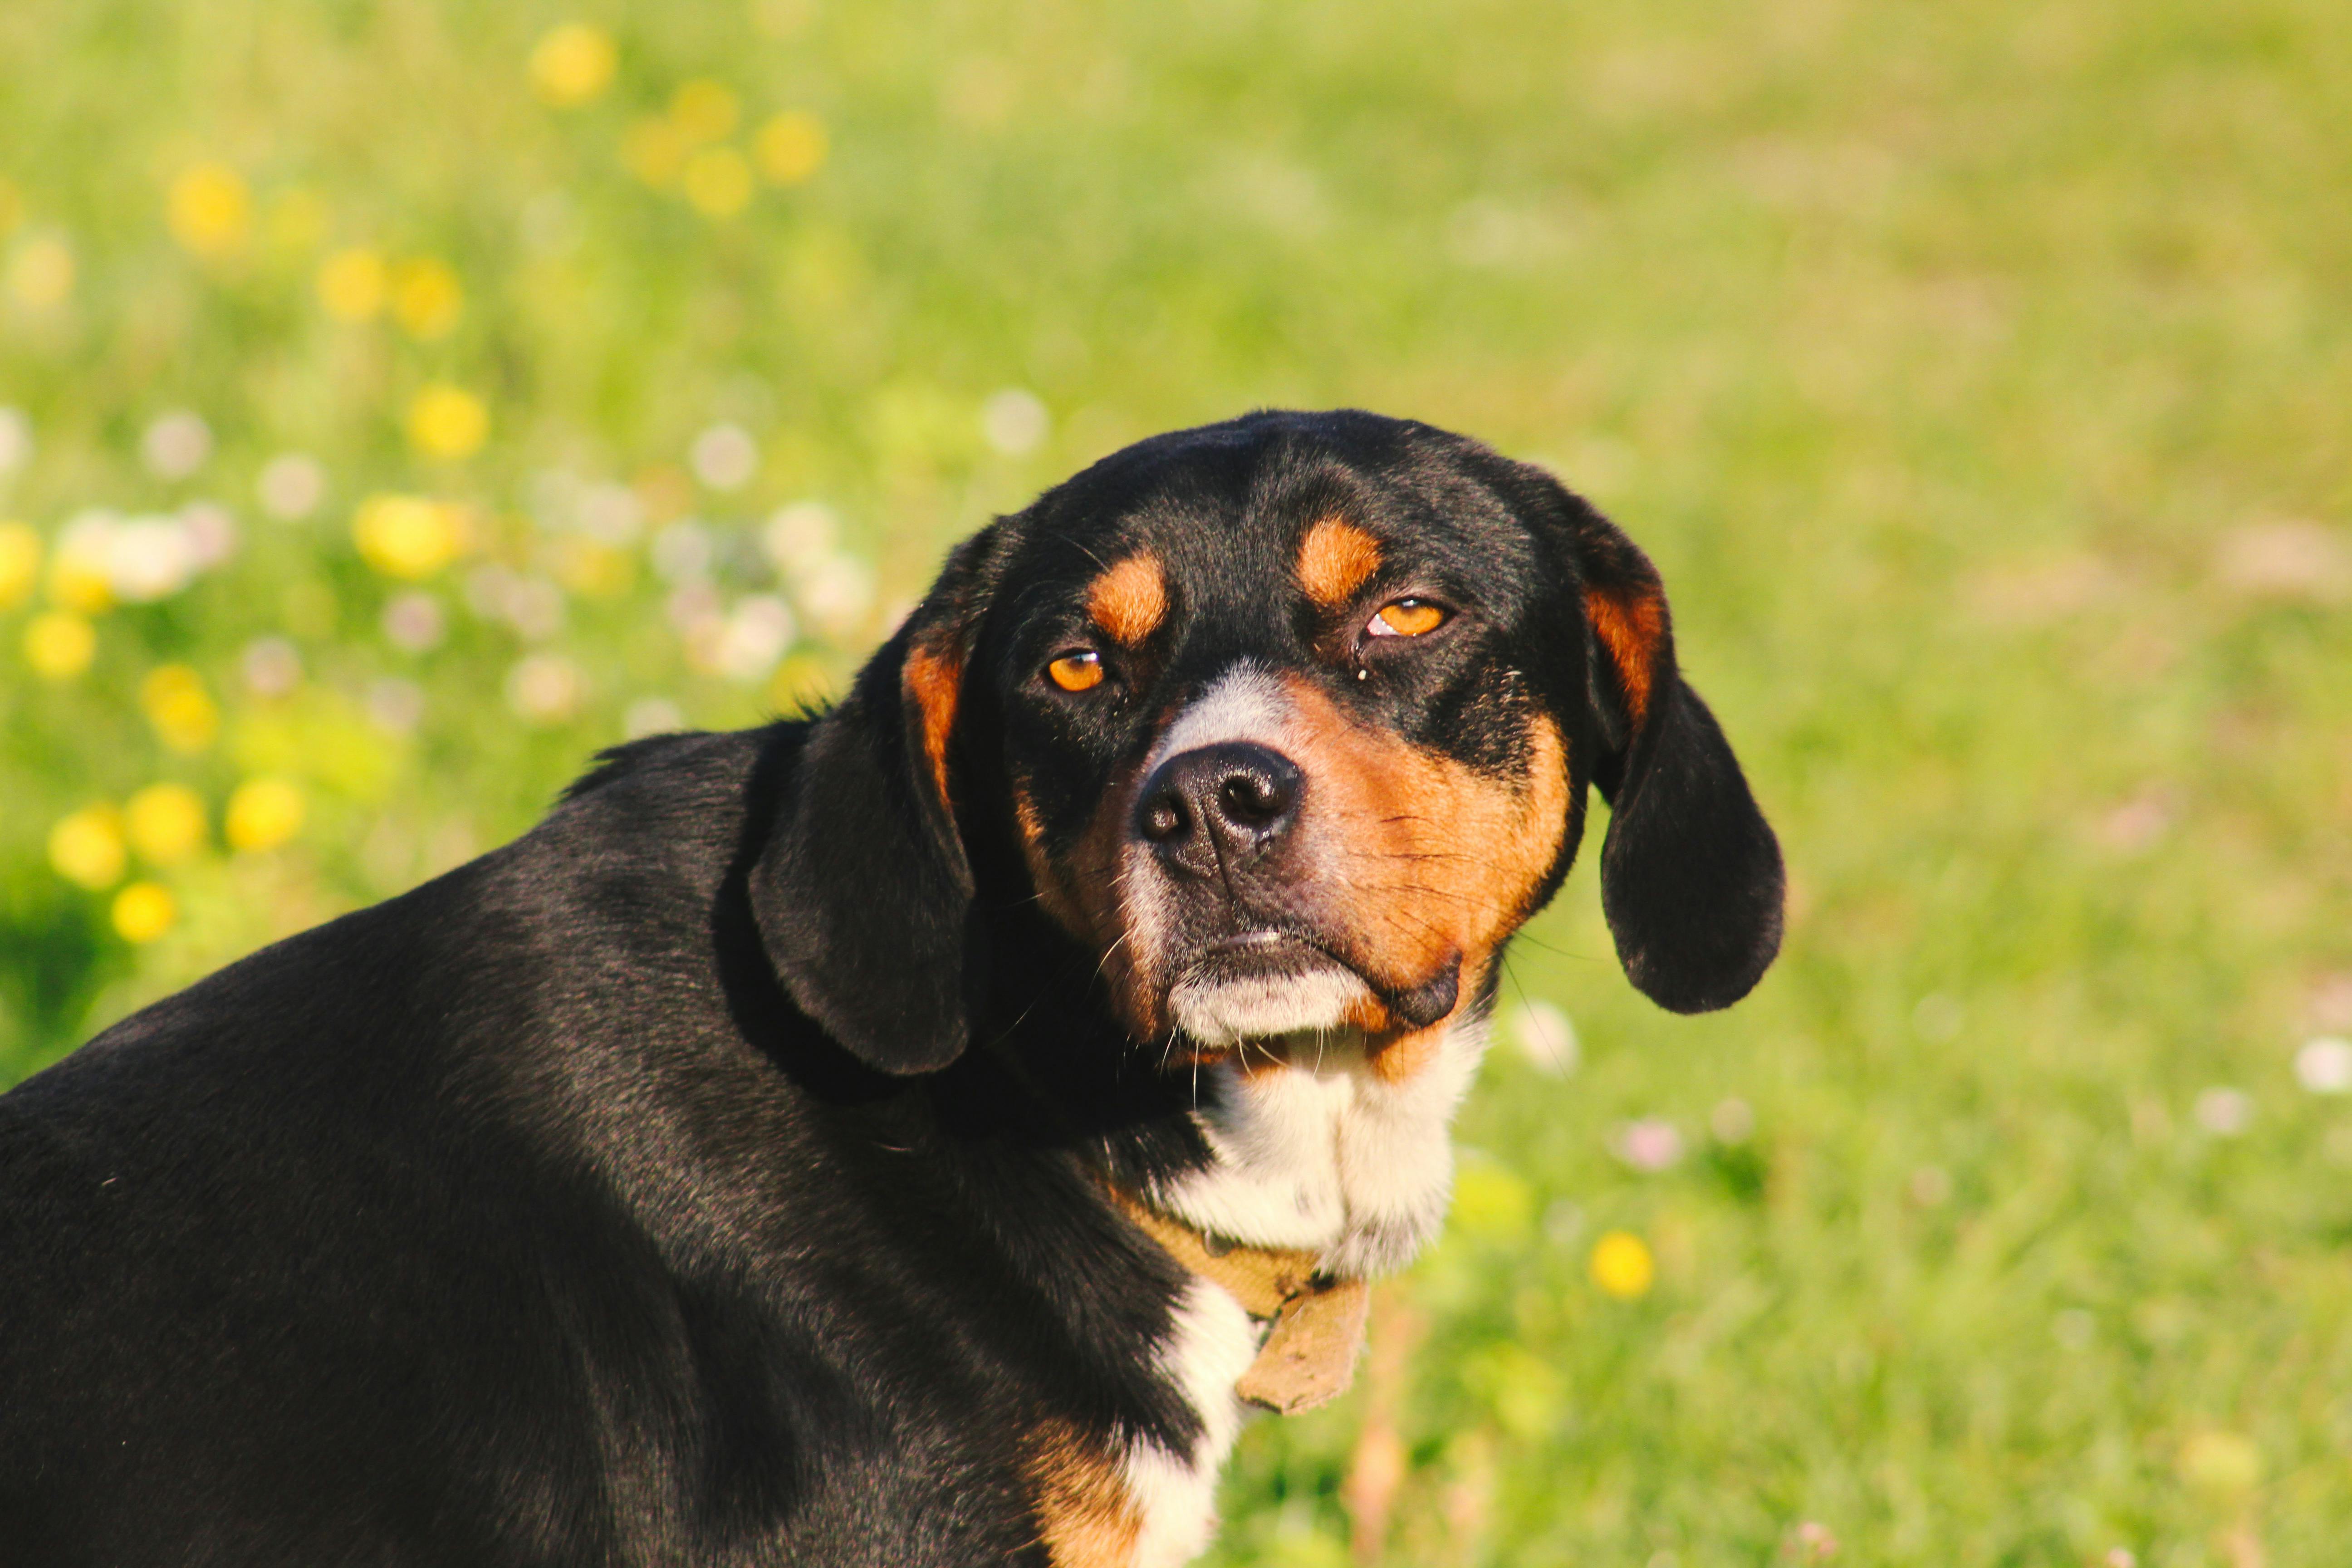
(1289, 722)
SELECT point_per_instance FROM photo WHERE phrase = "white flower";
(1546, 1037)
(1649, 1144)
(396, 705)
(651, 716)
(544, 688)
(799, 536)
(609, 514)
(2224, 1112)
(2324, 1066)
(15, 440)
(412, 622)
(533, 606)
(1014, 422)
(212, 532)
(753, 638)
(683, 552)
(176, 445)
(272, 666)
(724, 456)
(290, 486)
(149, 558)
(836, 591)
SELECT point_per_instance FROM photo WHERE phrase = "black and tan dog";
(905, 1136)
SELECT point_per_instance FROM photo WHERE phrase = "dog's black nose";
(1224, 803)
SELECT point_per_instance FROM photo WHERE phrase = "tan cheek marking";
(1335, 559)
(1438, 861)
(1084, 1512)
(1081, 894)
(932, 682)
(1130, 600)
(1397, 1058)
(1629, 626)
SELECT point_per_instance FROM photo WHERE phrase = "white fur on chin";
(1322, 1155)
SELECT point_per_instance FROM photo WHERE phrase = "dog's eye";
(1408, 618)
(1079, 670)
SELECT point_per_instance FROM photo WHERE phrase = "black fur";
(709, 1175)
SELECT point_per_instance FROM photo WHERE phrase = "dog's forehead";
(1230, 546)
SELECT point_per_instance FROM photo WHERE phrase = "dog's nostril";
(1164, 818)
(1251, 800)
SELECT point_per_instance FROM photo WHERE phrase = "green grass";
(1976, 374)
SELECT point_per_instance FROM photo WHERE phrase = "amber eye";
(1078, 671)
(1407, 618)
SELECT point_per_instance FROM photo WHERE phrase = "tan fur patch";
(1084, 1512)
(933, 682)
(1630, 626)
(1428, 861)
(1395, 1058)
(1335, 559)
(1130, 600)
(1081, 892)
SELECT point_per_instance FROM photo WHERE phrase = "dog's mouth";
(1269, 984)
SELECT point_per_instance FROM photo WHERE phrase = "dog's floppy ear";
(863, 894)
(1691, 879)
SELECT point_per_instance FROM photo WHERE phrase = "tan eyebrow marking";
(1335, 559)
(1129, 600)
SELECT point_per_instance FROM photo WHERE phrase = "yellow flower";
(447, 421)
(572, 63)
(86, 847)
(263, 814)
(703, 109)
(165, 822)
(1622, 1265)
(427, 298)
(718, 181)
(209, 209)
(653, 149)
(176, 702)
(60, 645)
(41, 273)
(20, 562)
(144, 912)
(407, 537)
(595, 570)
(351, 284)
(77, 574)
(791, 147)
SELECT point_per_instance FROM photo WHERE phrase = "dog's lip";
(1264, 948)
(1256, 942)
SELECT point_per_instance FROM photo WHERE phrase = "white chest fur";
(1324, 1155)
(1328, 1156)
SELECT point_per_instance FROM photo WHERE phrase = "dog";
(910, 1134)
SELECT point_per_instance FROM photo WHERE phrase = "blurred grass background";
(405, 397)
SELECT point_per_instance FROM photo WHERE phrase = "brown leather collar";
(1308, 1356)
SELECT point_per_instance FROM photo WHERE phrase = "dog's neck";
(1317, 1153)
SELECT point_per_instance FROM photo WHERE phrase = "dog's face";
(1288, 758)
(1290, 723)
